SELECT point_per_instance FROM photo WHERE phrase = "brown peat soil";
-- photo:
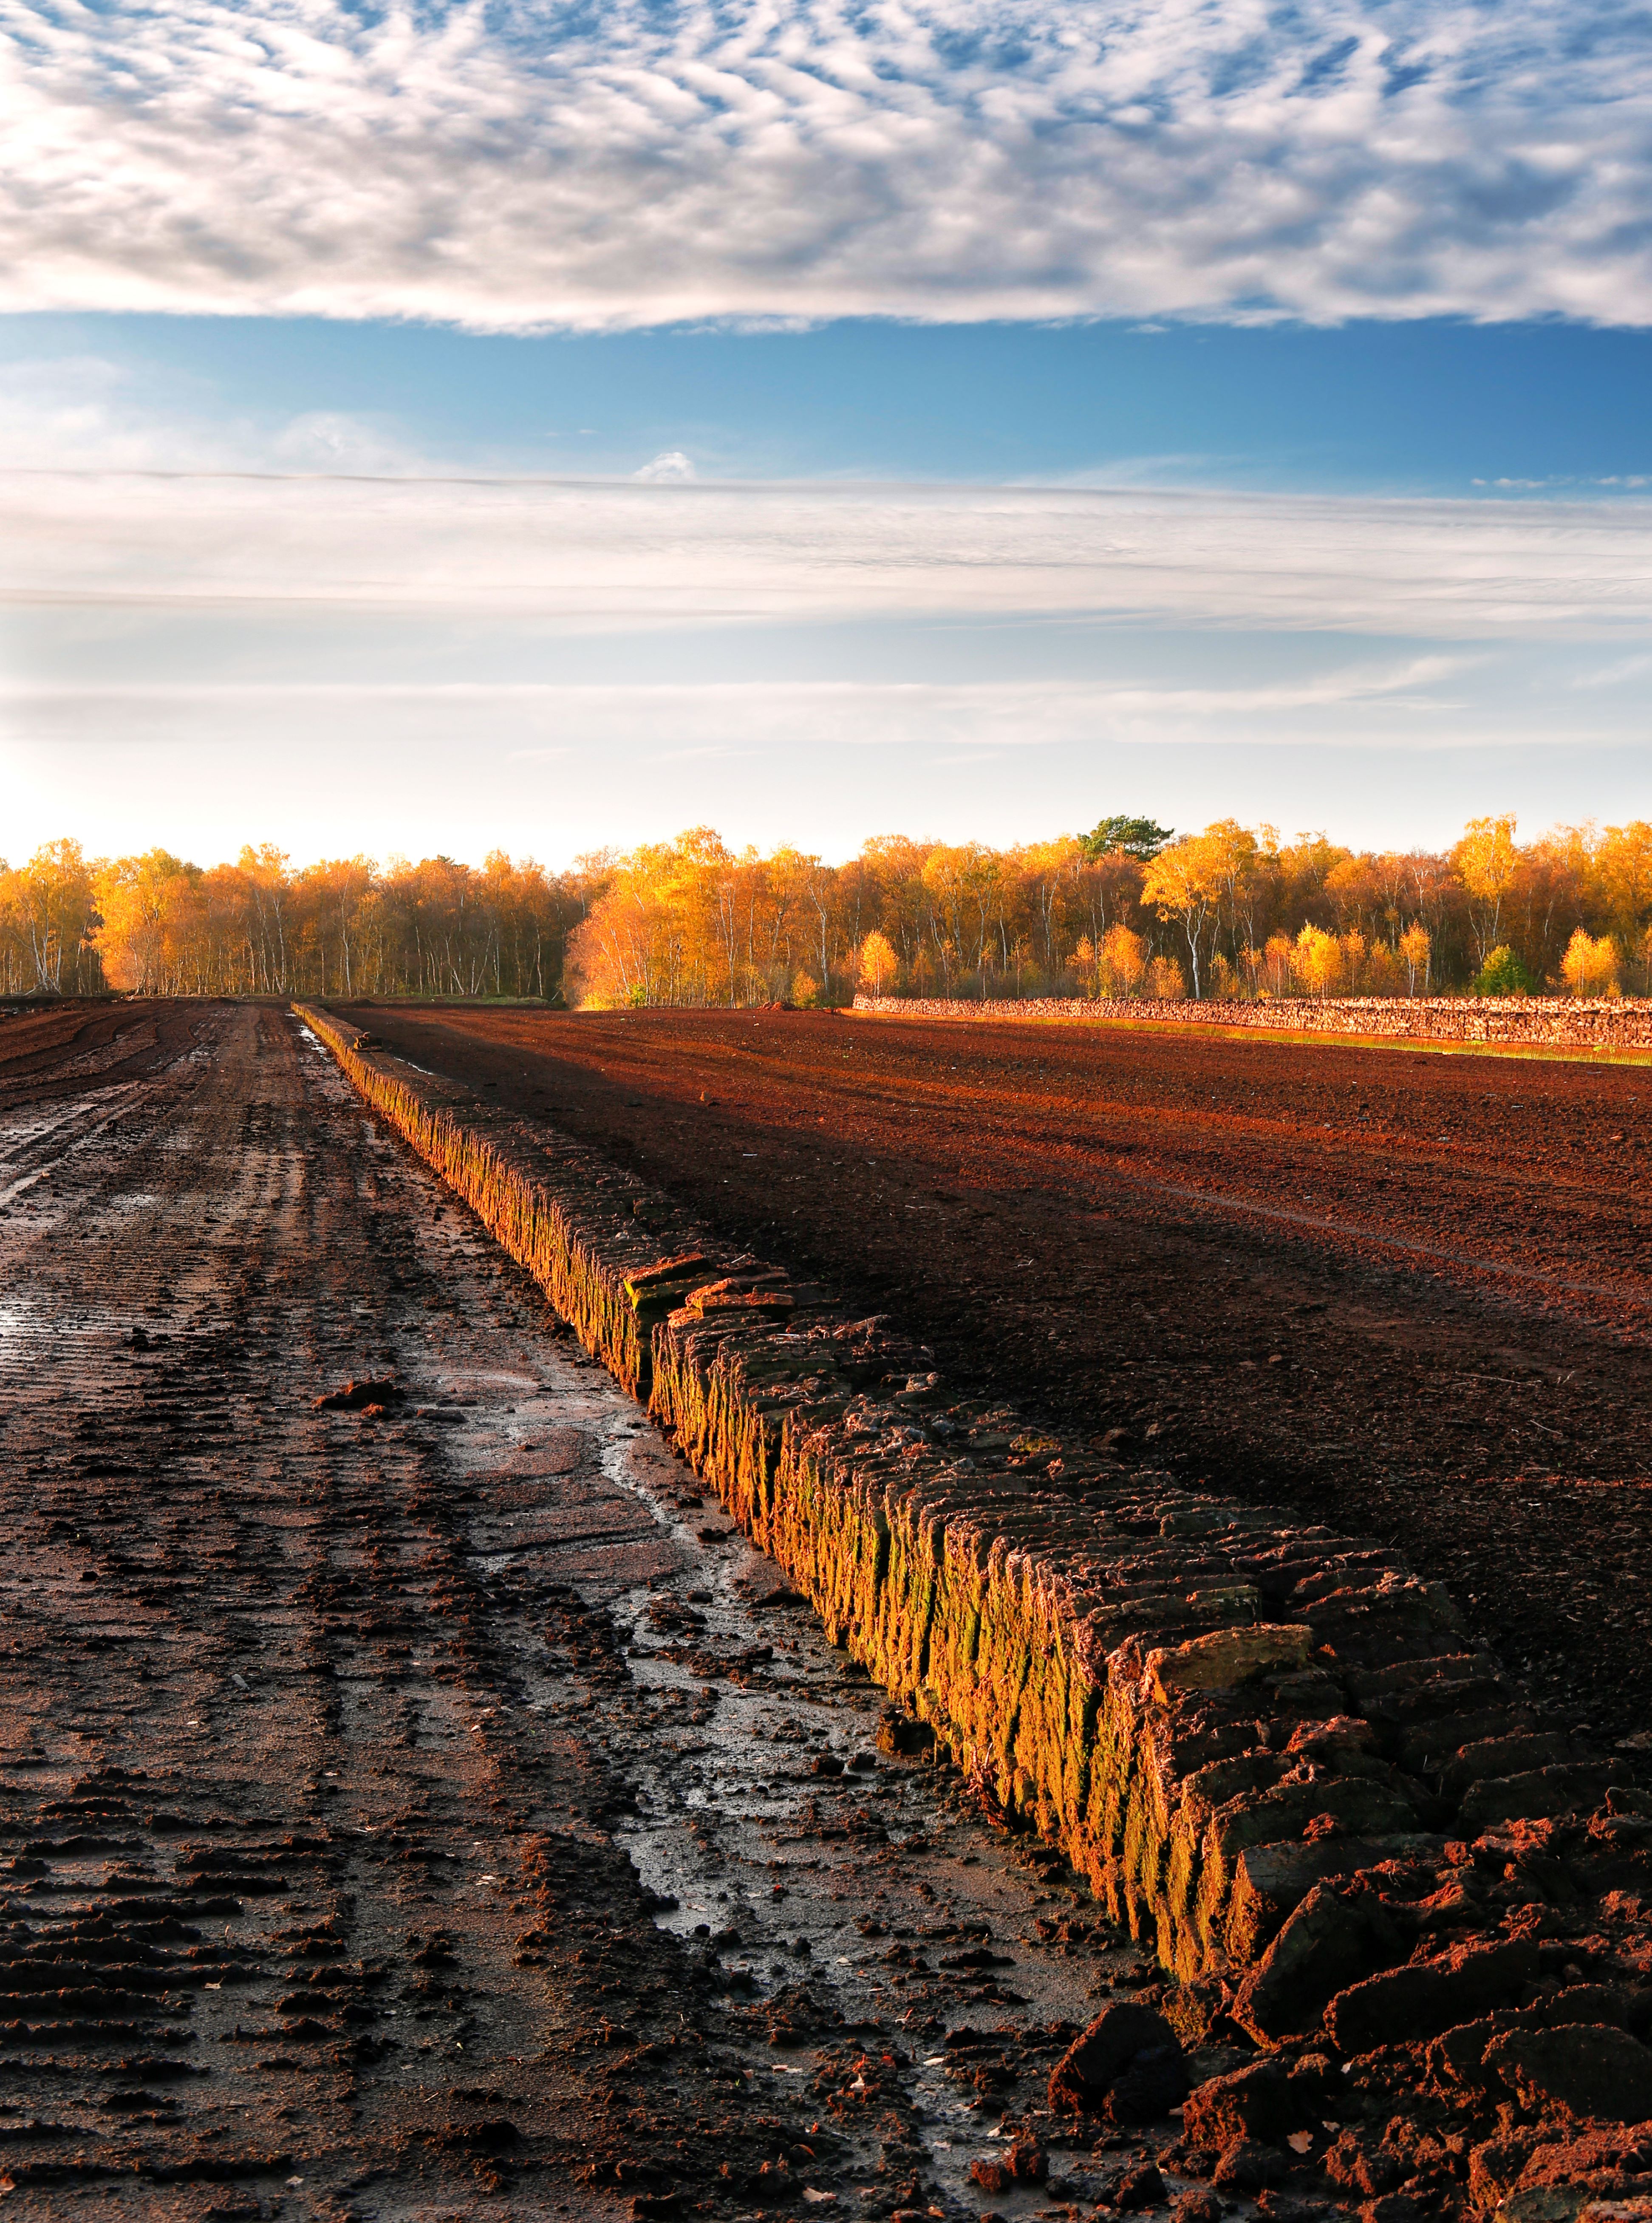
(1409, 1295)
(426, 1806)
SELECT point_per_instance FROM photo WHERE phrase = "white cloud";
(549, 164)
(89, 412)
(1030, 711)
(1617, 675)
(607, 660)
(556, 769)
(671, 468)
(593, 554)
(328, 440)
(83, 408)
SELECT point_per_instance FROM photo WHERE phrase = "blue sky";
(1426, 407)
(549, 428)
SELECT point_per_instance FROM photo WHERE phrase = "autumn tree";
(1050, 875)
(1590, 965)
(267, 880)
(815, 889)
(1487, 862)
(691, 922)
(1302, 871)
(331, 896)
(147, 913)
(890, 891)
(1186, 880)
(957, 879)
(877, 962)
(1165, 983)
(1622, 865)
(1317, 960)
(53, 909)
(1124, 958)
(1417, 948)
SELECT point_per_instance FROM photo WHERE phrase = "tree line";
(156, 925)
(1130, 908)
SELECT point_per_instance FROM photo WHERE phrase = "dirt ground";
(1408, 1294)
(427, 1807)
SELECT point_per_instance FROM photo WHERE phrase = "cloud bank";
(1367, 749)
(604, 555)
(563, 164)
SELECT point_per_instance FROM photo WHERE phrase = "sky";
(547, 427)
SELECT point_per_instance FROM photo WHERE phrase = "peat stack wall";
(1271, 1749)
(1602, 1022)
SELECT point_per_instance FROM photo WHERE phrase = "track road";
(431, 1809)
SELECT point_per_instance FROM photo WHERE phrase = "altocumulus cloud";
(518, 166)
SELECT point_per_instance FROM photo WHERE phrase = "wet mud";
(415, 1800)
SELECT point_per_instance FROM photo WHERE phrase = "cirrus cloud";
(555, 165)
(575, 554)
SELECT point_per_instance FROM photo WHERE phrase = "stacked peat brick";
(1548, 1022)
(1271, 1750)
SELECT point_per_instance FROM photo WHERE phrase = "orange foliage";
(341, 927)
(1231, 910)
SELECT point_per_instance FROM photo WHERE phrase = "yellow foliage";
(1486, 857)
(1487, 862)
(1185, 881)
(1622, 865)
(1589, 967)
(1317, 960)
(1278, 965)
(1166, 982)
(150, 940)
(877, 963)
(50, 906)
(693, 922)
(1417, 948)
(1123, 962)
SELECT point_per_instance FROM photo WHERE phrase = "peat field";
(1406, 1293)
(416, 1800)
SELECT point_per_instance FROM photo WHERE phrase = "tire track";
(414, 1802)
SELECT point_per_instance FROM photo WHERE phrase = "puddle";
(862, 1904)
(869, 1884)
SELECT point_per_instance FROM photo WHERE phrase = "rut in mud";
(423, 1799)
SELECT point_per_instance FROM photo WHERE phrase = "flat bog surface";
(1407, 1295)
(425, 1804)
